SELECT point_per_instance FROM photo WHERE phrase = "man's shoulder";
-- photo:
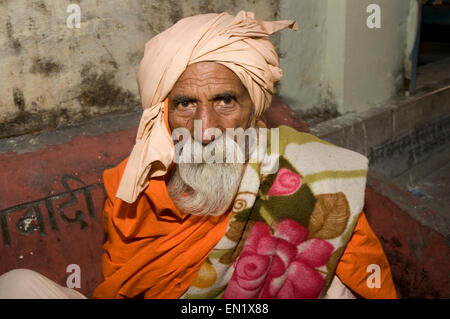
(318, 153)
(112, 177)
(288, 134)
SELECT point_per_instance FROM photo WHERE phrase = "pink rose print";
(279, 266)
(286, 183)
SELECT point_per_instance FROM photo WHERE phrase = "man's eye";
(183, 104)
(227, 100)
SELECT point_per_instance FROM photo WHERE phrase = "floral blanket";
(287, 229)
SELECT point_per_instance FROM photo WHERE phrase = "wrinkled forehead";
(202, 74)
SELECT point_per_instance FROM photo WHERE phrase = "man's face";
(209, 92)
(212, 93)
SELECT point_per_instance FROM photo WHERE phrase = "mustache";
(222, 149)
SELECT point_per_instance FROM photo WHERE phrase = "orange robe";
(155, 251)
(362, 250)
(152, 249)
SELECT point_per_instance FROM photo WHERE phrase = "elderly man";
(286, 225)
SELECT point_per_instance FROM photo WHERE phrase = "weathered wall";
(373, 57)
(335, 62)
(51, 74)
(302, 53)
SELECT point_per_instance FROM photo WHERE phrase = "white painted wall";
(342, 62)
(51, 74)
(333, 60)
(302, 53)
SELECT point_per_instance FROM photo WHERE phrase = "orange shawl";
(152, 250)
(155, 251)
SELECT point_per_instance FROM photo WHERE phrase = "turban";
(239, 42)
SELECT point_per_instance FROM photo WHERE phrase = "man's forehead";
(207, 72)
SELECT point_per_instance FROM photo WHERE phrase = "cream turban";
(239, 42)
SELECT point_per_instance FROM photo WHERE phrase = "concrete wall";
(302, 53)
(52, 75)
(335, 61)
(373, 57)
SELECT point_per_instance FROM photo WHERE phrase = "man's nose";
(205, 126)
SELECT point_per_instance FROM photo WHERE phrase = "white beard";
(205, 188)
